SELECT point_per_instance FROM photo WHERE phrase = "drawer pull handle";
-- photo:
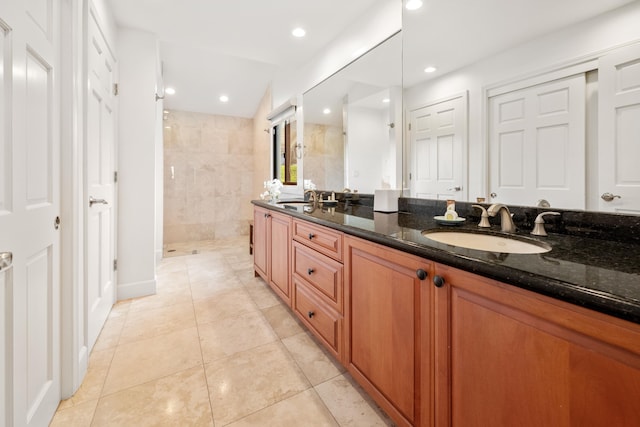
(310, 271)
(311, 314)
(438, 281)
(311, 236)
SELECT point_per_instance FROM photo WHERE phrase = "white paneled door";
(99, 288)
(619, 131)
(438, 149)
(29, 207)
(537, 144)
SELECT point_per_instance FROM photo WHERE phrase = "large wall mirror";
(530, 102)
(353, 124)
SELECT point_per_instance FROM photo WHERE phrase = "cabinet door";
(383, 332)
(260, 239)
(280, 250)
(507, 357)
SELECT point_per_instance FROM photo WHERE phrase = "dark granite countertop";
(599, 274)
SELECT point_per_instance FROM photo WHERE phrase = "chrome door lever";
(608, 197)
(5, 260)
(93, 201)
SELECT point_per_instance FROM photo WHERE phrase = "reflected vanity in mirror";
(353, 123)
(530, 101)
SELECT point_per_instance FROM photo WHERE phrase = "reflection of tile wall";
(324, 156)
(208, 196)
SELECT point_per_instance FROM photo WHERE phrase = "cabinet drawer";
(321, 272)
(322, 239)
(322, 320)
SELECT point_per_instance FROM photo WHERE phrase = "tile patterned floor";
(214, 347)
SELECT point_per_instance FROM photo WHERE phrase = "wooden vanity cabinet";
(387, 324)
(506, 356)
(318, 289)
(272, 250)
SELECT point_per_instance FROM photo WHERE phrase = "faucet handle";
(484, 218)
(538, 228)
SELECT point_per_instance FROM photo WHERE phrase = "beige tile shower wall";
(324, 156)
(208, 194)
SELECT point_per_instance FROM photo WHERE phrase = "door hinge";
(115, 89)
(115, 176)
(115, 264)
(409, 126)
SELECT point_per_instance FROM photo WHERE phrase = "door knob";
(608, 197)
(93, 201)
(5, 260)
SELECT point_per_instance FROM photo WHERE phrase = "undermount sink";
(487, 242)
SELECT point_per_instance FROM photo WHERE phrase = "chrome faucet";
(506, 221)
(313, 196)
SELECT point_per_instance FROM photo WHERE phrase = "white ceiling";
(234, 47)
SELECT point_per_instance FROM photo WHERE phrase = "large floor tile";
(283, 321)
(164, 299)
(180, 399)
(76, 416)
(158, 321)
(153, 358)
(303, 409)
(227, 303)
(233, 335)
(247, 382)
(350, 405)
(316, 364)
(93, 382)
(211, 287)
(110, 334)
(261, 293)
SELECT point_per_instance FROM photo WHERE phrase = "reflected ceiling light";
(326, 111)
(413, 4)
(386, 100)
(166, 111)
(170, 91)
(298, 32)
(430, 69)
(224, 98)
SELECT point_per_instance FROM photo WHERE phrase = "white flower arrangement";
(273, 189)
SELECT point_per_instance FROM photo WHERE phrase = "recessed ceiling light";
(413, 4)
(386, 100)
(430, 69)
(326, 111)
(224, 98)
(299, 32)
(170, 91)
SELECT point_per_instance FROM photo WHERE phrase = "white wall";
(367, 137)
(137, 160)
(543, 54)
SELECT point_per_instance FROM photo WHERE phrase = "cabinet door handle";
(421, 274)
(310, 271)
(311, 314)
(438, 281)
(311, 236)
(267, 215)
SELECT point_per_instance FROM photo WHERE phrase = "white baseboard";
(135, 290)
